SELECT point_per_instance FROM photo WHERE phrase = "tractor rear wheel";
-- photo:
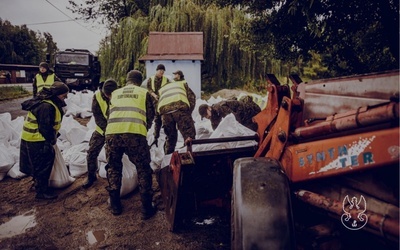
(261, 216)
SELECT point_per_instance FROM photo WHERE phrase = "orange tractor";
(323, 174)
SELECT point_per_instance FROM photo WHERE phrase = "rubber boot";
(115, 202)
(46, 196)
(89, 181)
(43, 192)
(148, 210)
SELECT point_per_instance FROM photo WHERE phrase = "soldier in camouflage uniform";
(39, 134)
(153, 86)
(243, 111)
(100, 108)
(131, 115)
(176, 105)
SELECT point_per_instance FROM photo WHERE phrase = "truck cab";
(78, 68)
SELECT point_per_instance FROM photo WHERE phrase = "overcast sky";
(52, 16)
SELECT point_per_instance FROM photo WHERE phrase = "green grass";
(8, 93)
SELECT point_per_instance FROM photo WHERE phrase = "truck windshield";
(72, 59)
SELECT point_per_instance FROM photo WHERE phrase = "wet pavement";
(13, 107)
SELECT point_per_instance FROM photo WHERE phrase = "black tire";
(261, 216)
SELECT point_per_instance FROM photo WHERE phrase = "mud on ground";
(79, 219)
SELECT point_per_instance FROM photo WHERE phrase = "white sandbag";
(59, 177)
(228, 127)
(129, 175)
(17, 124)
(88, 135)
(102, 170)
(86, 114)
(63, 144)
(156, 154)
(102, 155)
(5, 117)
(14, 152)
(15, 143)
(7, 132)
(77, 164)
(91, 124)
(76, 135)
(79, 104)
(6, 161)
(73, 109)
(76, 149)
(15, 173)
(166, 160)
(72, 131)
(68, 122)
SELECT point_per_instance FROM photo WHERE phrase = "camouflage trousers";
(184, 122)
(37, 160)
(96, 144)
(157, 125)
(136, 148)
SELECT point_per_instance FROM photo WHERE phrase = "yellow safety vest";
(40, 83)
(163, 82)
(30, 130)
(103, 107)
(173, 92)
(128, 111)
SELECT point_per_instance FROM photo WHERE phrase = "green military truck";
(78, 68)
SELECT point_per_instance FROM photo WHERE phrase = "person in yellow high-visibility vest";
(131, 116)
(175, 106)
(100, 109)
(39, 134)
(153, 86)
(45, 78)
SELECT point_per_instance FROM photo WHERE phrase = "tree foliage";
(20, 45)
(111, 12)
(223, 29)
(355, 37)
(246, 39)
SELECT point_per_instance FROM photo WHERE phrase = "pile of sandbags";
(73, 143)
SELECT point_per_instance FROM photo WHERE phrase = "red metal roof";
(174, 46)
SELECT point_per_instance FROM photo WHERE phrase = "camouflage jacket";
(243, 111)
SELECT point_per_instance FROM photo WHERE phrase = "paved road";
(13, 107)
(27, 86)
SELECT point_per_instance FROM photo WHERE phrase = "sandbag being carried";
(129, 175)
(59, 177)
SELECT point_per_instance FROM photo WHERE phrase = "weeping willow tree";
(228, 62)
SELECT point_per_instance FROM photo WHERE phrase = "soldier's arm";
(45, 115)
(99, 118)
(150, 111)
(149, 87)
(151, 90)
(191, 97)
(34, 86)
